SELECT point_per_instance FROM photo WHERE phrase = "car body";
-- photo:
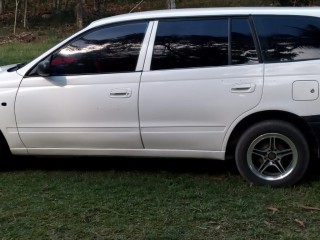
(199, 83)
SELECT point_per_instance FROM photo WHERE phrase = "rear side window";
(288, 38)
(243, 49)
(191, 43)
(112, 49)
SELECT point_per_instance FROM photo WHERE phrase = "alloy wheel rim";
(272, 156)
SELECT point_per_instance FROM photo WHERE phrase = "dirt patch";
(25, 37)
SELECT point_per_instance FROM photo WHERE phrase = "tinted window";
(190, 43)
(111, 49)
(242, 45)
(288, 38)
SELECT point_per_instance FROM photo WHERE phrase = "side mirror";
(43, 68)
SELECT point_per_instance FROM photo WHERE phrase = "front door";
(90, 100)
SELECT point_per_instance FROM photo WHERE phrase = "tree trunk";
(56, 5)
(1, 6)
(66, 4)
(15, 17)
(171, 4)
(79, 14)
(25, 13)
(97, 5)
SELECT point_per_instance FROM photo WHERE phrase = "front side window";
(288, 38)
(190, 43)
(111, 49)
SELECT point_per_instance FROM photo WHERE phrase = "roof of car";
(198, 12)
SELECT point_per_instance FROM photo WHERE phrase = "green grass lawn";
(123, 198)
(22, 52)
(13, 51)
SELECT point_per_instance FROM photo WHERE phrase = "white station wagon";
(200, 83)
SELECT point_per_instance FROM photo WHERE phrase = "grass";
(21, 52)
(13, 51)
(149, 199)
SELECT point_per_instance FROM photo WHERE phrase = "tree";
(171, 4)
(1, 6)
(25, 13)
(15, 17)
(79, 14)
(98, 5)
(56, 4)
(66, 4)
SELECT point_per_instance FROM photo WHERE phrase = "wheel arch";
(297, 121)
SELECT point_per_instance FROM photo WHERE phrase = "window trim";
(144, 47)
(229, 41)
(256, 39)
(148, 59)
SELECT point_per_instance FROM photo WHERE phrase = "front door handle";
(121, 93)
(243, 88)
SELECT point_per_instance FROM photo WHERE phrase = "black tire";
(272, 152)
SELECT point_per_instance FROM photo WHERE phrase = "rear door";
(200, 75)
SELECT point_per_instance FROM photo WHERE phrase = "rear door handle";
(121, 93)
(243, 87)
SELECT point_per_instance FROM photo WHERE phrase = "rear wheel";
(272, 153)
